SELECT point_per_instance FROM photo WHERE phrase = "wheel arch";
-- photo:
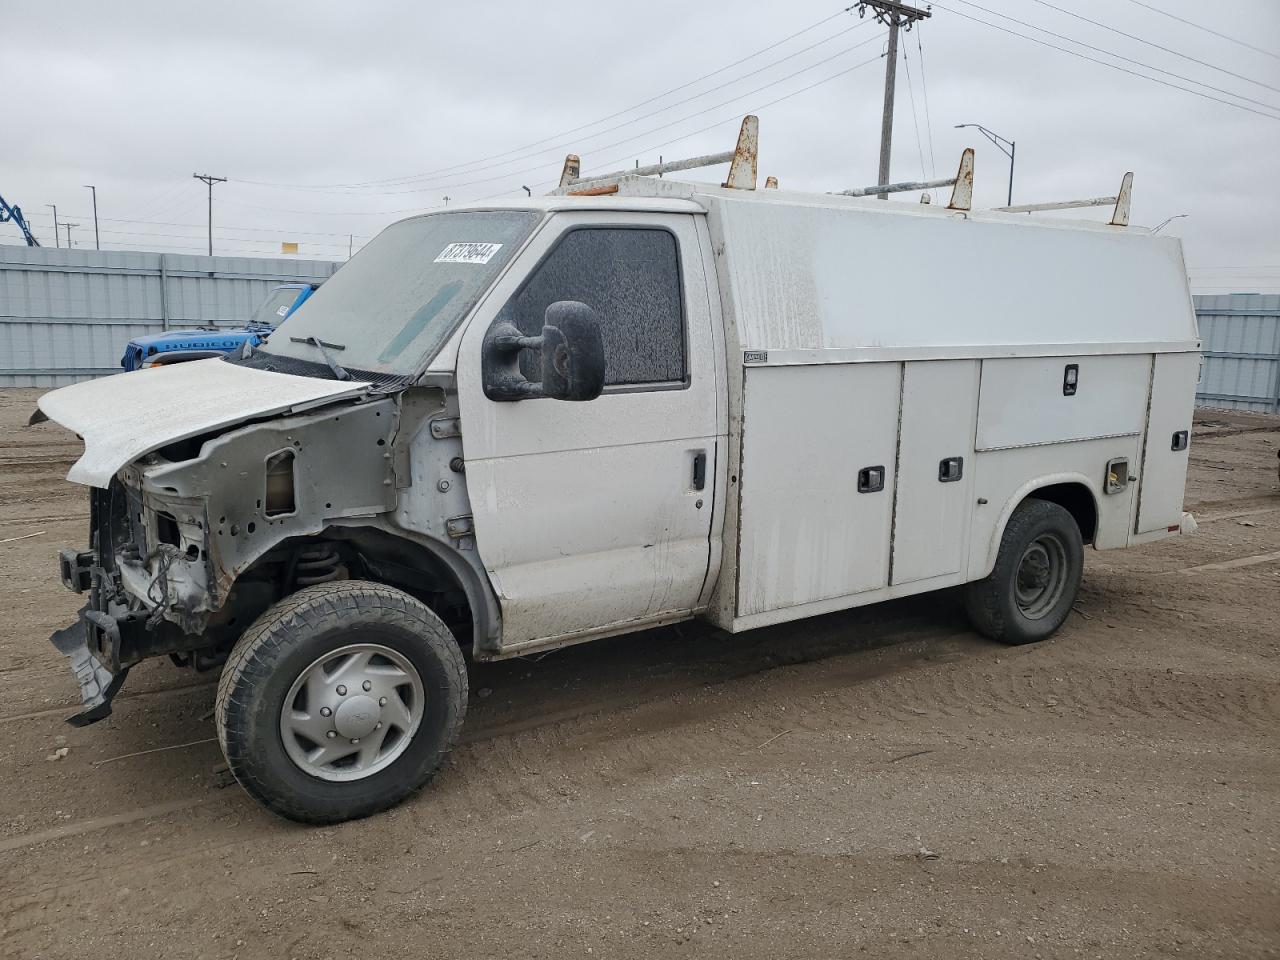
(419, 565)
(1071, 491)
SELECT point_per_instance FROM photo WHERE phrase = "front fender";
(340, 467)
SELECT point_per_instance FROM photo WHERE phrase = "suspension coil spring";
(319, 564)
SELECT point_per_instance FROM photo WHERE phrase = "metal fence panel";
(1241, 336)
(65, 315)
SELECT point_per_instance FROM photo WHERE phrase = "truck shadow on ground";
(627, 671)
(614, 676)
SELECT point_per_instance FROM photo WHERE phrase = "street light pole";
(1008, 147)
(57, 242)
(96, 244)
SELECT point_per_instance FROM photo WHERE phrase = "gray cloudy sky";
(473, 100)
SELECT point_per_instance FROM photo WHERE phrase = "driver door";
(595, 517)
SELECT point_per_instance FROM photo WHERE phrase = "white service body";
(826, 335)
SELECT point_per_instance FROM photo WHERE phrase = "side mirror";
(572, 355)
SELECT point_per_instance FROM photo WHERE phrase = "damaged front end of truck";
(196, 514)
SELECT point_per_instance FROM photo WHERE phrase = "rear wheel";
(1036, 577)
(340, 701)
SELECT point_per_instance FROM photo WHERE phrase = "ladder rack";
(741, 160)
(1121, 201)
(961, 185)
(742, 176)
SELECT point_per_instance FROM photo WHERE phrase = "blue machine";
(179, 346)
(14, 213)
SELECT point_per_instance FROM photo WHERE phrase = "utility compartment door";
(806, 533)
(935, 468)
(1164, 465)
(1026, 401)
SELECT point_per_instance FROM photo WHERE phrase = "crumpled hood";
(123, 416)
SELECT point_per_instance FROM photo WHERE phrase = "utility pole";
(56, 241)
(96, 244)
(69, 226)
(893, 15)
(210, 181)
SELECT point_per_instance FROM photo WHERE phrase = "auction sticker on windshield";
(468, 253)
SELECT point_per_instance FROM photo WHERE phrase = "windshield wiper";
(339, 371)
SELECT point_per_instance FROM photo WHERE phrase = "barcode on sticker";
(755, 356)
(468, 253)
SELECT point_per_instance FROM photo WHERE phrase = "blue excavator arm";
(8, 213)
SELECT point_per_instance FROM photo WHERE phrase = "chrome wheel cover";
(352, 712)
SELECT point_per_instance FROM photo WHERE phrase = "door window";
(631, 279)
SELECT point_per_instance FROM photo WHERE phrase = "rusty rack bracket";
(741, 160)
(1121, 202)
(961, 185)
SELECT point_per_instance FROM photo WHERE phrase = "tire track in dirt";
(611, 740)
(102, 823)
(54, 519)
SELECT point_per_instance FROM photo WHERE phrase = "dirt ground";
(880, 783)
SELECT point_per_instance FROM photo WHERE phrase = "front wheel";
(1036, 577)
(340, 701)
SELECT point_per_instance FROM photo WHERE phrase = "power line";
(924, 90)
(260, 251)
(915, 119)
(179, 205)
(162, 198)
(1082, 56)
(433, 184)
(615, 161)
(1198, 26)
(690, 116)
(565, 133)
(737, 116)
(608, 146)
(685, 136)
(1117, 56)
(1151, 43)
(221, 239)
(198, 226)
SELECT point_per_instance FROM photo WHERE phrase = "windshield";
(394, 304)
(276, 307)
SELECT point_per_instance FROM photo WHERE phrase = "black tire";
(1041, 542)
(283, 645)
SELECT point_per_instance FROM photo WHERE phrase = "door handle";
(871, 479)
(700, 470)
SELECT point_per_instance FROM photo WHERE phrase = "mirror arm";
(510, 343)
(502, 379)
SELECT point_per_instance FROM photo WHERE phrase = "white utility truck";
(786, 404)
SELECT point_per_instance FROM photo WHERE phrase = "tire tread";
(316, 608)
(985, 600)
